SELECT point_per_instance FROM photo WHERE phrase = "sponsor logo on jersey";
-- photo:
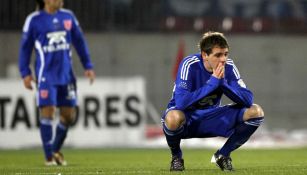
(67, 24)
(57, 42)
(209, 100)
(183, 85)
(55, 20)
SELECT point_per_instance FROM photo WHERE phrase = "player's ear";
(204, 55)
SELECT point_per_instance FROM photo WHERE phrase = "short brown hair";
(212, 39)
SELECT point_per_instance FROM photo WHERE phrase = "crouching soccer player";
(195, 111)
(52, 30)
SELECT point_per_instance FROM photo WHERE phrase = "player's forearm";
(24, 61)
(238, 95)
(184, 99)
(83, 52)
(86, 62)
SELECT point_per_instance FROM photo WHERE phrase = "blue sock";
(60, 135)
(46, 136)
(173, 140)
(242, 133)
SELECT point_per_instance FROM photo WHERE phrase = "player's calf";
(173, 129)
(253, 117)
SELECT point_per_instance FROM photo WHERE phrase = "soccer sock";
(46, 136)
(60, 135)
(173, 138)
(242, 133)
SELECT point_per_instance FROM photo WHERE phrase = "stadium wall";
(110, 113)
(273, 66)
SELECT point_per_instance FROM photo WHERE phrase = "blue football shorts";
(212, 122)
(57, 95)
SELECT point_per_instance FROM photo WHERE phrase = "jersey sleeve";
(26, 47)
(80, 44)
(183, 93)
(235, 88)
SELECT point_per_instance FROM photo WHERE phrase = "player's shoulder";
(30, 18)
(191, 60)
(33, 15)
(230, 63)
(66, 12)
(231, 67)
(189, 64)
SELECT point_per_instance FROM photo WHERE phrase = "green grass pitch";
(153, 161)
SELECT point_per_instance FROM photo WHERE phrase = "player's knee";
(174, 119)
(68, 120)
(47, 112)
(255, 111)
(67, 117)
(259, 111)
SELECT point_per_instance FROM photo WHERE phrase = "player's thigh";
(67, 95)
(219, 121)
(66, 102)
(46, 95)
(47, 111)
(46, 100)
(67, 114)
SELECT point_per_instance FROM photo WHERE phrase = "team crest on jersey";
(67, 24)
(43, 93)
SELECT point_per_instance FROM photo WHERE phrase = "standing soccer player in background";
(51, 30)
(195, 109)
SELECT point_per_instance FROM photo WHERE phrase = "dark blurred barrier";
(14, 12)
(92, 14)
(160, 16)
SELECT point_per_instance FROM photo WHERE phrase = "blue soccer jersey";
(195, 88)
(52, 36)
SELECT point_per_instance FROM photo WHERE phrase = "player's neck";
(50, 9)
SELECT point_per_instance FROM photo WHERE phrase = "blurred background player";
(52, 30)
(195, 111)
